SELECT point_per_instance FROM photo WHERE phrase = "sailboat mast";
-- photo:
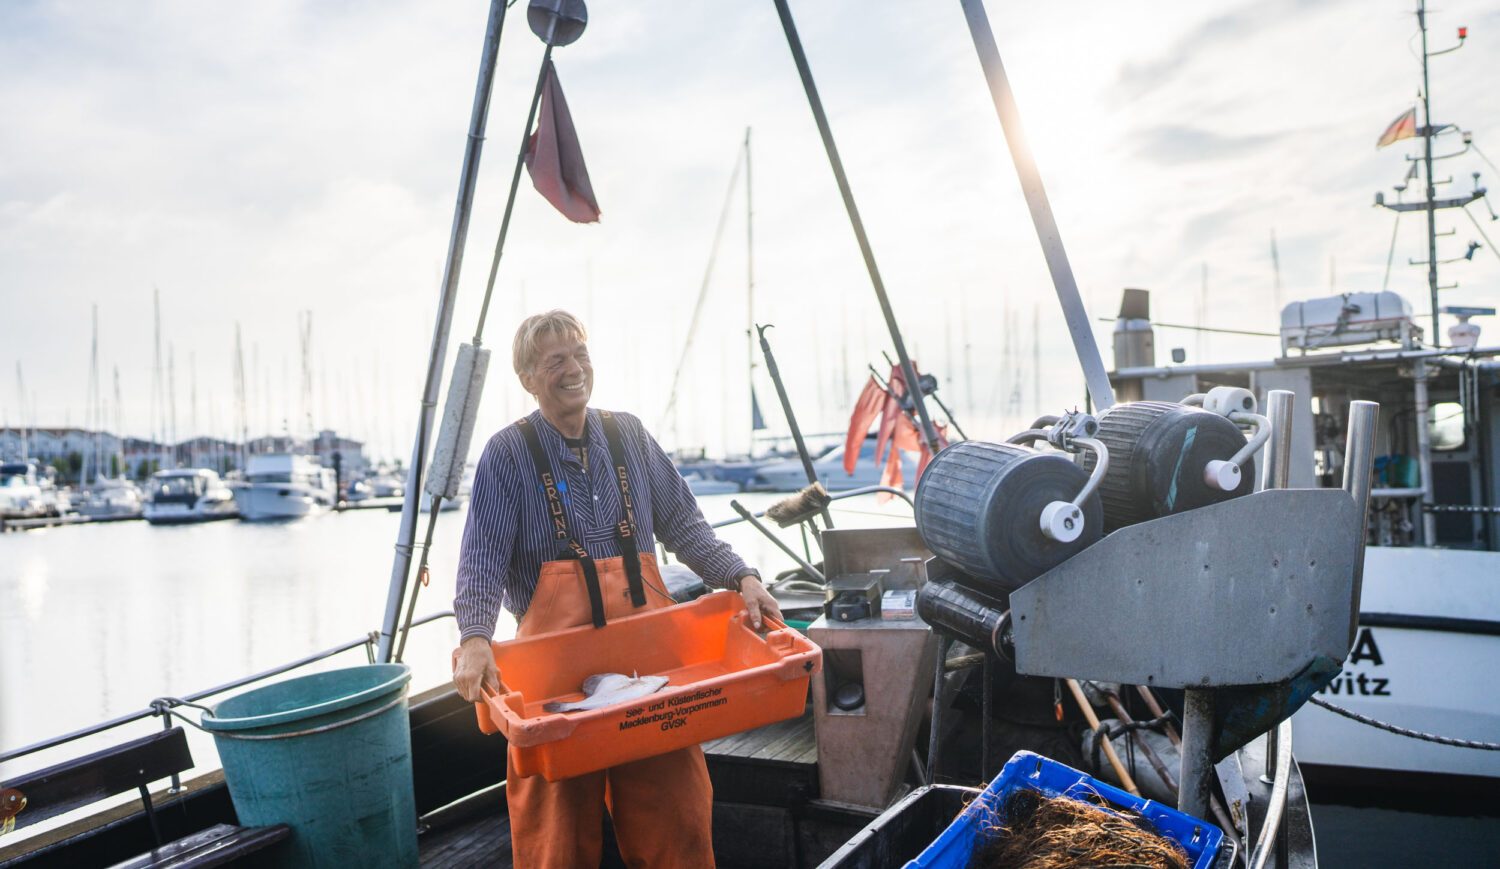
(158, 398)
(172, 401)
(306, 399)
(750, 291)
(193, 408)
(92, 423)
(119, 428)
(21, 421)
(1427, 134)
(240, 388)
(1039, 406)
(963, 323)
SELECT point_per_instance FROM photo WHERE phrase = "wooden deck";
(790, 741)
(483, 837)
(482, 840)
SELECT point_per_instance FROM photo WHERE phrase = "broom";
(802, 506)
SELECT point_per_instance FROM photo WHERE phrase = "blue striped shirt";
(509, 532)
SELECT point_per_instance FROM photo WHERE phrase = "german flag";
(1404, 127)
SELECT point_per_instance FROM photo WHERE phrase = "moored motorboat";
(788, 475)
(701, 485)
(184, 496)
(284, 486)
(28, 491)
(108, 498)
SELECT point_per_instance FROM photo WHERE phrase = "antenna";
(1430, 203)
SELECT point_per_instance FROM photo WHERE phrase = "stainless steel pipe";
(1195, 782)
(1280, 406)
(1359, 459)
(1424, 449)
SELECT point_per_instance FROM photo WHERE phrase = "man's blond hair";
(538, 326)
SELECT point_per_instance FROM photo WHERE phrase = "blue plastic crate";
(953, 848)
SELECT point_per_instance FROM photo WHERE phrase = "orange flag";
(1404, 127)
(555, 159)
(896, 431)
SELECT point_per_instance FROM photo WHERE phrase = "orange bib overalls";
(662, 807)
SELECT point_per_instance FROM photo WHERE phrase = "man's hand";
(758, 600)
(476, 667)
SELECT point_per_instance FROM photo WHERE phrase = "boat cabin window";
(1445, 427)
(302, 478)
(272, 477)
(179, 486)
(14, 475)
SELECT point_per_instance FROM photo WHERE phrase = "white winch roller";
(1237, 405)
(451, 451)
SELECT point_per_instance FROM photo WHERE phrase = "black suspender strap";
(543, 467)
(626, 528)
(571, 547)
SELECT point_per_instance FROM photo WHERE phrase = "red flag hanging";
(1404, 127)
(555, 159)
(896, 431)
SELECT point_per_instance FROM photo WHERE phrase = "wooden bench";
(136, 764)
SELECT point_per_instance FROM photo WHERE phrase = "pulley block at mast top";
(557, 22)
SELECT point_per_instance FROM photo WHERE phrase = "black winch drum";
(1157, 454)
(979, 507)
(971, 616)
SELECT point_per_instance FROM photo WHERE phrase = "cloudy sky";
(254, 160)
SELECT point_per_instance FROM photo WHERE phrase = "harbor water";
(98, 620)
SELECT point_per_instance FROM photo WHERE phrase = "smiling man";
(566, 505)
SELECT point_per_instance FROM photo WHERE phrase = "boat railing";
(836, 496)
(1271, 839)
(161, 708)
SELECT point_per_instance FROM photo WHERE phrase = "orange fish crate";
(722, 678)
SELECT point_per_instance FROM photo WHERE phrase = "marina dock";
(59, 521)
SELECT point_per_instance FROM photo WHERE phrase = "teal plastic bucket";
(330, 756)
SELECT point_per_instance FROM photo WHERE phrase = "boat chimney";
(1135, 340)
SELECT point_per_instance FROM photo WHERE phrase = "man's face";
(562, 379)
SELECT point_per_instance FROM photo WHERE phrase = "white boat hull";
(1424, 659)
(109, 510)
(270, 501)
(187, 514)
